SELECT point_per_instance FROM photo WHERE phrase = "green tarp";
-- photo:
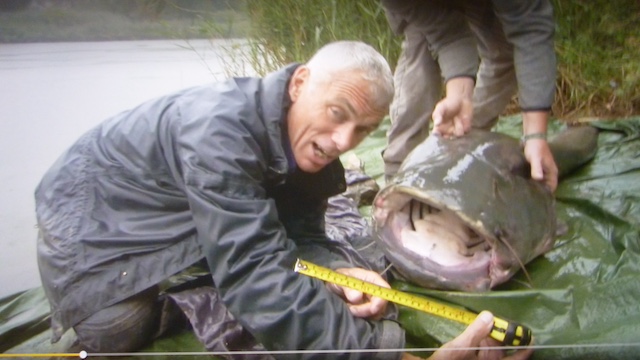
(581, 300)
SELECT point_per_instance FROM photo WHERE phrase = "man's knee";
(125, 326)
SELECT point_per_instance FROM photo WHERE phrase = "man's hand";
(543, 166)
(361, 304)
(477, 335)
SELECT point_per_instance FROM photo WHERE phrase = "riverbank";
(69, 21)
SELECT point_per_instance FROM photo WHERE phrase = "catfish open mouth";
(439, 234)
(421, 238)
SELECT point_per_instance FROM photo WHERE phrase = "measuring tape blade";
(507, 332)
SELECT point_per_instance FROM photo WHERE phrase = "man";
(237, 173)
(442, 40)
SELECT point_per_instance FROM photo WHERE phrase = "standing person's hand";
(536, 148)
(543, 166)
(452, 115)
(361, 304)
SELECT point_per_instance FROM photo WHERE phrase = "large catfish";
(464, 213)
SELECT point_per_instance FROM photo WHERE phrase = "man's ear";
(298, 80)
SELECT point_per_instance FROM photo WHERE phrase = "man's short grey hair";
(344, 56)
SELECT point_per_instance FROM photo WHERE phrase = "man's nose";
(344, 138)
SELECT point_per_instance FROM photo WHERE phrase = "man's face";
(328, 117)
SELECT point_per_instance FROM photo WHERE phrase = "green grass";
(598, 46)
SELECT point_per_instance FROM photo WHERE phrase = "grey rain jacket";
(200, 173)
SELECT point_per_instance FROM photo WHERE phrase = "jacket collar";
(274, 105)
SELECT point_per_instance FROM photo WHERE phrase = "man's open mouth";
(319, 152)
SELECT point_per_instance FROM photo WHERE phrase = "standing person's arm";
(529, 26)
(453, 46)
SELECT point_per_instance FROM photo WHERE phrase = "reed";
(286, 31)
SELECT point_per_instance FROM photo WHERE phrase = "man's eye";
(337, 114)
(365, 131)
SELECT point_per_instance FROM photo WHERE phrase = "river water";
(51, 93)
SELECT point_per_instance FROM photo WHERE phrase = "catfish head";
(464, 213)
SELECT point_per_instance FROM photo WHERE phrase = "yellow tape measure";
(507, 332)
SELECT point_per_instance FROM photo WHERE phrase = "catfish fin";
(573, 147)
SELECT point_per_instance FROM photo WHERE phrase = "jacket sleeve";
(247, 248)
(529, 26)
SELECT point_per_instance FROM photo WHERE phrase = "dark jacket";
(199, 173)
